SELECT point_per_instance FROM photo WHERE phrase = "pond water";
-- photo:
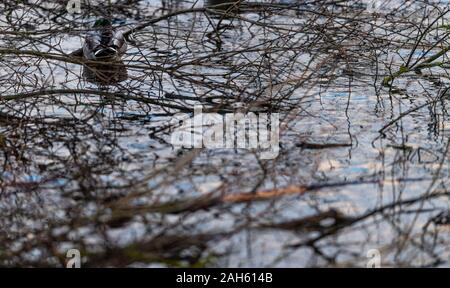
(86, 153)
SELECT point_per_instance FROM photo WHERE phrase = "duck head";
(102, 23)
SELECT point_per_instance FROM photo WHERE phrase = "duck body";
(105, 43)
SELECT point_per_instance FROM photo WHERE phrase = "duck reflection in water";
(105, 73)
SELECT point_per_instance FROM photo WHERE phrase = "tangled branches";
(87, 161)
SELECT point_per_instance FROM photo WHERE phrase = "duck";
(104, 43)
